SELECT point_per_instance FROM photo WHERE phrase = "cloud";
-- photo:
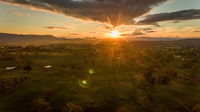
(107, 27)
(172, 16)
(56, 27)
(19, 13)
(116, 12)
(148, 30)
(74, 34)
(93, 32)
(137, 32)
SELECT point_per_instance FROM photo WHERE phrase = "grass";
(118, 81)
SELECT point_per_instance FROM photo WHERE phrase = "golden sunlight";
(114, 34)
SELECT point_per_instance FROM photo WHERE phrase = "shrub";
(92, 108)
(16, 81)
(6, 85)
(48, 92)
(148, 73)
(70, 107)
(171, 73)
(27, 68)
(151, 80)
(196, 108)
(41, 105)
(21, 80)
(163, 79)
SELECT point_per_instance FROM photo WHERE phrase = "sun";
(114, 34)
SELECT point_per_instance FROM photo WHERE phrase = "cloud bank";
(172, 16)
(115, 12)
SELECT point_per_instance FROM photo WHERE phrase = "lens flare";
(83, 83)
(114, 34)
(91, 71)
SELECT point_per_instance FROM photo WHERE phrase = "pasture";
(100, 76)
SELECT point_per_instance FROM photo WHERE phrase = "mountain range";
(6, 38)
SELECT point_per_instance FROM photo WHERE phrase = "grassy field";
(100, 76)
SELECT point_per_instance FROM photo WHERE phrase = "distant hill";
(189, 42)
(21, 39)
(18, 38)
(155, 39)
(150, 41)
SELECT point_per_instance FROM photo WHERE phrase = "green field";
(100, 76)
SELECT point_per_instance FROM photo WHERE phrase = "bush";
(148, 76)
(41, 105)
(196, 108)
(92, 108)
(6, 85)
(16, 81)
(48, 92)
(130, 107)
(27, 68)
(148, 73)
(70, 107)
(171, 73)
(151, 80)
(163, 79)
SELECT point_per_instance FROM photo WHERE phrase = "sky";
(96, 18)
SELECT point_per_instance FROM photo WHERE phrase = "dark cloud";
(107, 27)
(173, 16)
(137, 32)
(74, 34)
(116, 12)
(140, 32)
(56, 27)
(92, 32)
(148, 30)
(176, 21)
(197, 31)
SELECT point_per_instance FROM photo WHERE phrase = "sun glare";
(114, 34)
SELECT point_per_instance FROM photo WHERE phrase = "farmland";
(111, 75)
